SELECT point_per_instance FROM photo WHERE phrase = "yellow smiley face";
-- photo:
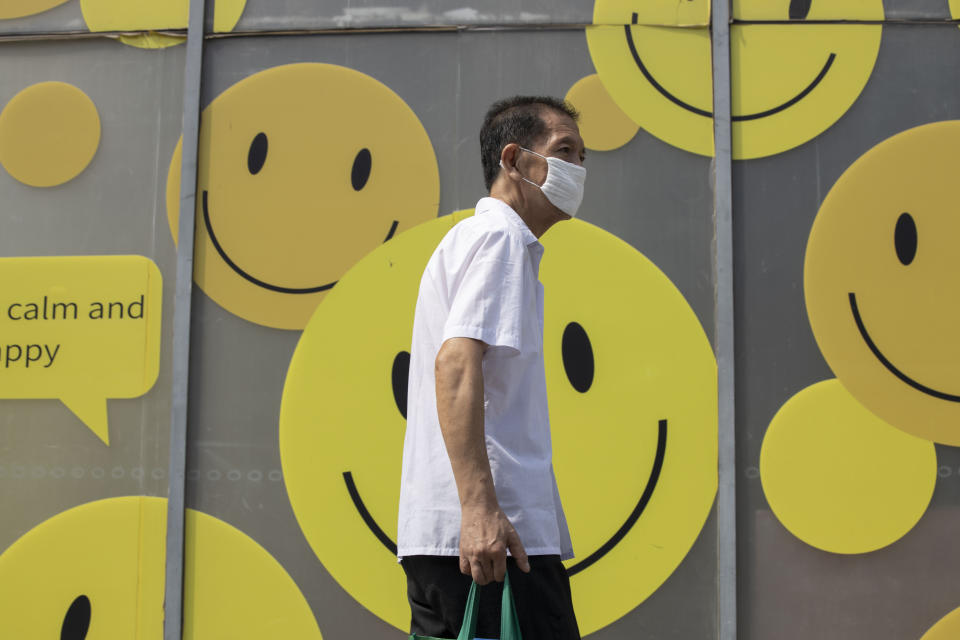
(790, 82)
(632, 389)
(879, 281)
(303, 169)
(97, 571)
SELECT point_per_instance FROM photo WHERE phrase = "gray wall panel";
(653, 196)
(776, 200)
(266, 15)
(65, 17)
(916, 10)
(49, 460)
(906, 10)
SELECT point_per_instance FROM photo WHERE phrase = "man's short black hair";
(517, 119)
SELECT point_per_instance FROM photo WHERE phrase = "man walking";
(477, 479)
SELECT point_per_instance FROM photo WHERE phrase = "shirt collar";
(493, 204)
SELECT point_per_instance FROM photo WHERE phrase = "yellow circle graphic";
(603, 125)
(838, 477)
(790, 82)
(303, 169)
(49, 133)
(123, 15)
(635, 449)
(947, 628)
(632, 389)
(879, 275)
(97, 571)
(20, 8)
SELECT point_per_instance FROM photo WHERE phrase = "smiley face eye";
(77, 620)
(577, 357)
(257, 154)
(399, 376)
(799, 9)
(361, 169)
(905, 238)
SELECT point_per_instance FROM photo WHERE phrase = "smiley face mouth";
(889, 365)
(709, 114)
(576, 567)
(365, 514)
(260, 283)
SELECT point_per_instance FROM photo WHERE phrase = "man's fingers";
(499, 567)
(464, 565)
(481, 570)
(477, 574)
(489, 569)
(519, 553)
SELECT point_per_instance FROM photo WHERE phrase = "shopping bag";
(509, 626)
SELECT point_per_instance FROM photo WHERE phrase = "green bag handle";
(509, 625)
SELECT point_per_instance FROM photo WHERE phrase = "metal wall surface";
(817, 93)
(647, 193)
(86, 128)
(299, 14)
(906, 10)
(790, 585)
(415, 97)
(251, 16)
(50, 459)
(56, 19)
(844, 523)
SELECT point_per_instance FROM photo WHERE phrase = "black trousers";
(438, 595)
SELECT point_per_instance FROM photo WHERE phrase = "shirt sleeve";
(486, 299)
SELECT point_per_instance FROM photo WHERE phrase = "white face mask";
(564, 184)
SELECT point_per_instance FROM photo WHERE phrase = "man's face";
(561, 140)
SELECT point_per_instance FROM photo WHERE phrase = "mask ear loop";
(523, 177)
(533, 152)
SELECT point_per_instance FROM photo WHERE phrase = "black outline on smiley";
(575, 568)
(889, 365)
(260, 283)
(709, 114)
(367, 518)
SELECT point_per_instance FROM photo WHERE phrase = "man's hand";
(485, 536)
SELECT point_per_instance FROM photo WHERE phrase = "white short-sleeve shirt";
(482, 282)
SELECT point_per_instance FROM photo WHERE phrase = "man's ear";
(508, 159)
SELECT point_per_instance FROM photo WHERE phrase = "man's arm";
(485, 532)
